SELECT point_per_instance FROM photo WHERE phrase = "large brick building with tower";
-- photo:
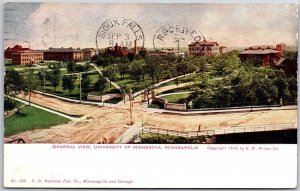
(205, 48)
(23, 56)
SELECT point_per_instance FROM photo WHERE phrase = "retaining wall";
(104, 97)
(170, 106)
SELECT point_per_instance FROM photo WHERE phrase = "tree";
(202, 92)
(143, 53)
(13, 83)
(123, 69)
(130, 56)
(42, 75)
(104, 60)
(68, 83)
(111, 73)
(54, 76)
(71, 66)
(80, 68)
(200, 62)
(85, 83)
(31, 83)
(224, 64)
(100, 85)
(152, 66)
(185, 67)
(137, 70)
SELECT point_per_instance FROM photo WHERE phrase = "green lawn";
(156, 106)
(176, 90)
(75, 93)
(30, 118)
(176, 98)
(7, 62)
(184, 79)
(128, 83)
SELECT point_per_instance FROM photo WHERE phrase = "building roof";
(88, 49)
(27, 51)
(204, 43)
(17, 48)
(256, 47)
(62, 50)
(260, 51)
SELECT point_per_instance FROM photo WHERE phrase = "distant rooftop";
(256, 47)
(259, 51)
(204, 43)
(63, 49)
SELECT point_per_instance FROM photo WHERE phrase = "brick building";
(23, 56)
(9, 51)
(27, 57)
(117, 50)
(63, 54)
(204, 48)
(88, 53)
(268, 54)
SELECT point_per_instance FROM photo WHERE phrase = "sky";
(47, 25)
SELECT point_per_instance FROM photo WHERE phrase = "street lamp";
(44, 80)
(80, 86)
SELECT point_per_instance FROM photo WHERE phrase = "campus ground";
(105, 124)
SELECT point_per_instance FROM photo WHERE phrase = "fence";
(218, 131)
(254, 128)
(178, 133)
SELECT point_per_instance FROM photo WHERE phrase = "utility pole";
(80, 86)
(177, 40)
(130, 106)
(44, 79)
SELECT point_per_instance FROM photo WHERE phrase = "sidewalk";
(129, 134)
(113, 83)
(49, 110)
(78, 101)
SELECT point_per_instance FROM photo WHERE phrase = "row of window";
(199, 48)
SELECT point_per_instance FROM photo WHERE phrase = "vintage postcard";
(150, 95)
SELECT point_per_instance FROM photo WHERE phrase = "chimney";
(135, 47)
(279, 48)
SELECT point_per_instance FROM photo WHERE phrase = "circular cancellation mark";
(175, 36)
(122, 32)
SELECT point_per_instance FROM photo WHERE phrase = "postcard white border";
(268, 162)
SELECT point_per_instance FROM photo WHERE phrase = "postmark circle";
(175, 36)
(120, 31)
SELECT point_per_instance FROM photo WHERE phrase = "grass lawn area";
(7, 62)
(132, 84)
(176, 90)
(114, 100)
(75, 93)
(30, 118)
(184, 79)
(176, 98)
(156, 106)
